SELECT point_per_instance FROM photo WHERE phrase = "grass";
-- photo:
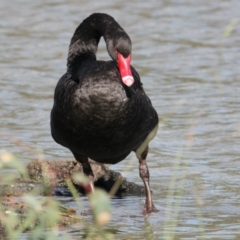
(41, 217)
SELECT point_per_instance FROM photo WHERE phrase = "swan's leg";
(144, 174)
(87, 171)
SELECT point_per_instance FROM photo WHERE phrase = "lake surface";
(188, 56)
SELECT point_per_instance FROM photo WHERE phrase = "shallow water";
(191, 72)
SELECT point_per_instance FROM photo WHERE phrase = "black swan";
(100, 109)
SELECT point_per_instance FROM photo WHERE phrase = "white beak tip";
(128, 80)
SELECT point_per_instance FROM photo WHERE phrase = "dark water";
(189, 68)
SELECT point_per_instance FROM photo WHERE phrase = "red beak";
(125, 71)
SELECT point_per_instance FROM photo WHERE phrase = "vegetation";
(42, 217)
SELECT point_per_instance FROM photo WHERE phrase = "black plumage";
(95, 115)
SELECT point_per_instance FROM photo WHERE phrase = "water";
(191, 73)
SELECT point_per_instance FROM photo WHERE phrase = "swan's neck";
(84, 42)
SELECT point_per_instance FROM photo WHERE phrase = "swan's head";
(120, 51)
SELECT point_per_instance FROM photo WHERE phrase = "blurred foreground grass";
(41, 217)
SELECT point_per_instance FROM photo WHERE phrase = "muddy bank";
(55, 173)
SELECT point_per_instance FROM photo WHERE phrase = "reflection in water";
(190, 71)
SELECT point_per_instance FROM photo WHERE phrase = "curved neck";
(84, 43)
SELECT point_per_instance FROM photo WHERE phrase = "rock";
(56, 172)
